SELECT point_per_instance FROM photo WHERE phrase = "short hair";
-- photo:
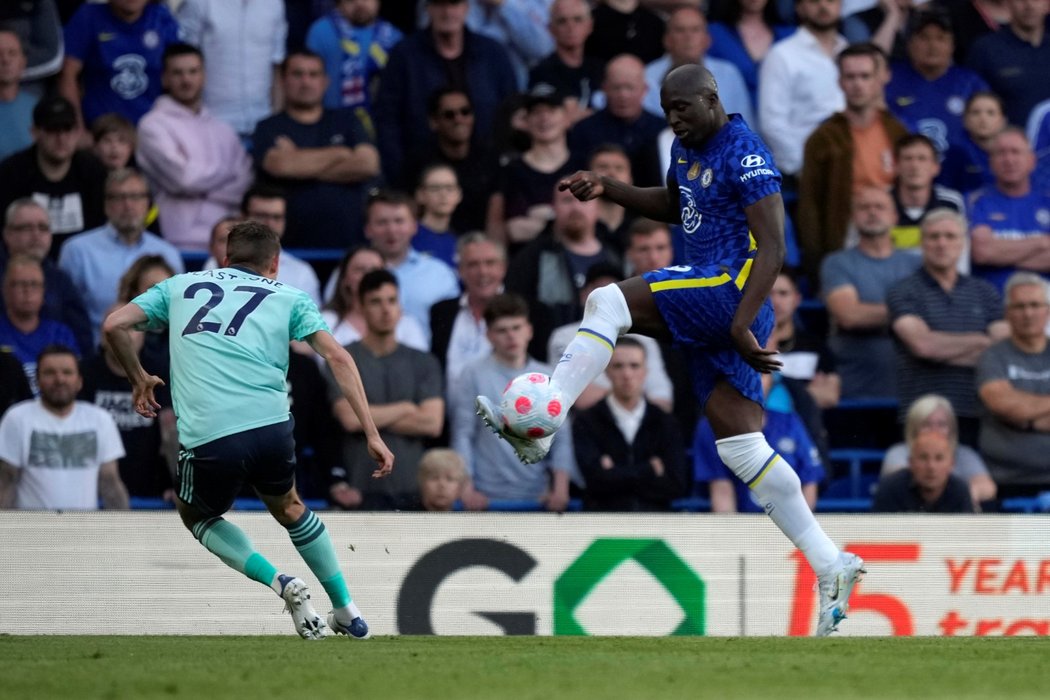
(863, 48)
(131, 278)
(393, 198)
(1021, 279)
(19, 204)
(439, 460)
(433, 168)
(253, 244)
(122, 175)
(604, 148)
(21, 260)
(112, 123)
(921, 409)
(57, 349)
(375, 279)
(506, 305)
(475, 237)
(914, 139)
(644, 227)
(984, 94)
(435, 98)
(300, 53)
(179, 48)
(262, 191)
(626, 341)
(338, 303)
(941, 214)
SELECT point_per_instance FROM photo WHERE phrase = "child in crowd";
(442, 475)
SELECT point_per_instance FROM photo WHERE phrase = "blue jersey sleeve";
(754, 173)
(156, 303)
(305, 319)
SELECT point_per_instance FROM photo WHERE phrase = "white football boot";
(835, 588)
(529, 450)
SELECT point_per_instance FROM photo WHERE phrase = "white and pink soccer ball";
(531, 407)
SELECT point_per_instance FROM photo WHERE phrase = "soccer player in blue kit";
(230, 334)
(724, 189)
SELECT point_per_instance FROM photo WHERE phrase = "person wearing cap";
(445, 54)
(114, 51)
(520, 208)
(16, 105)
(927, 93)
(553, 267)
(67, 182)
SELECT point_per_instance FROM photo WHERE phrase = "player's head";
(58, 376)
(114, 140)
(874, 213)
(253, 245)
(627, 370)
(390, 224)
(689, 98)
(507, 328)
(145, 272)
(27, 229)
(648, 245)
(267, 205)
(380, 302)
(931, 460)
(931, 412)
(482, 265)
(442, 476)
(943, 239)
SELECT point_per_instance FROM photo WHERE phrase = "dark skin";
(689, 98)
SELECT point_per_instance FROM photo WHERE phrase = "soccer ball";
(531, 408)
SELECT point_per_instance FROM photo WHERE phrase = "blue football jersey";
(732, 171)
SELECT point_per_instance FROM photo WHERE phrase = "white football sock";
(778, 489)
(605, 318)
(347, 614)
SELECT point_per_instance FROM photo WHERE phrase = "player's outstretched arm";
(660, 203)
(115, 328)
(765, 218)
(349, 380)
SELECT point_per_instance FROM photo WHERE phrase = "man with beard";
(553, 268)
(57, 452)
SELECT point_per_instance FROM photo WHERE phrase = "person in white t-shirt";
(57, 453)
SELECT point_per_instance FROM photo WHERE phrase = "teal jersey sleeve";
(305, 319)
(156, 303)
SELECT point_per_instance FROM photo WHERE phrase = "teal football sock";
(314, 545)
(229, 543)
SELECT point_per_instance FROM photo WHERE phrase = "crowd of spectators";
(419, 144)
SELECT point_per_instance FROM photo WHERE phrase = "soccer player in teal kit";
(724, 189)
(230, 330)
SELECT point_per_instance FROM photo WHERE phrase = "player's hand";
(142, 396)
(382, 455)
(583, 184)
(754, 354)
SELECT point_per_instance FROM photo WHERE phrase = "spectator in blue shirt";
(16, 105)
(114, 52)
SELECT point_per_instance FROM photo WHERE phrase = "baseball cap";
(54, 113)
(924, 17)
(544, 94)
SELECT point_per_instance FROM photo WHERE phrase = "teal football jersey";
(229, 332)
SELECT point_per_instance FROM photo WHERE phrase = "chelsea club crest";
(706, 178)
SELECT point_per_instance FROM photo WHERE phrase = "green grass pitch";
(548, 668)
